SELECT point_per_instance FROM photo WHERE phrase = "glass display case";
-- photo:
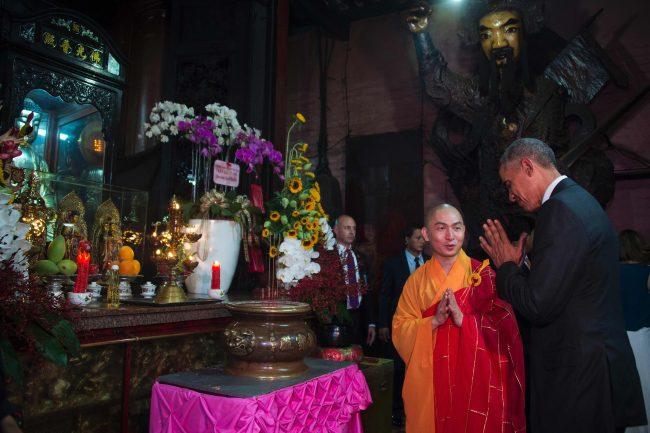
(87, 205)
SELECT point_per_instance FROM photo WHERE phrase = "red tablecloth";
(330, 403)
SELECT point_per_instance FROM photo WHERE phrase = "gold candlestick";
(170, 255)
(170, 292)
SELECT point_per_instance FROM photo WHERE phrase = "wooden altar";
(107, 389)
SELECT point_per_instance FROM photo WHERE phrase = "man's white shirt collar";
(551, 187)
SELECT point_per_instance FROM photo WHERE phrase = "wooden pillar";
(146, 54)
(281, 48)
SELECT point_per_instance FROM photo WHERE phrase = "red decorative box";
(353, 353)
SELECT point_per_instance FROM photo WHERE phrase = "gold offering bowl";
(268, 339)
(193, 237)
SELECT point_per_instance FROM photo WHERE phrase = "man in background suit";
(360, 307)
(583, 377)
(396, 271)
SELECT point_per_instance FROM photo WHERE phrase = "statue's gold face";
(498, 30)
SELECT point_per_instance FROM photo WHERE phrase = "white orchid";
(13, 245)
(295, 262)
(226, 124)
(328, 236)
(164, 118)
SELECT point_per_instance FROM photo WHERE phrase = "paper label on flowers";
(225, 173)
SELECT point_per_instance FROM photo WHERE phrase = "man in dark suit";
(360, 307)
(583, 377)
(396, 271)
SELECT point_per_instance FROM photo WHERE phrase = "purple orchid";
(200, 131)
(254, 149)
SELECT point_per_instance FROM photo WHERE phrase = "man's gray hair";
(531, 148)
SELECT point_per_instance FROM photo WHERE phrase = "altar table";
(327, 403)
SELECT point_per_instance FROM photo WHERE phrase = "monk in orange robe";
(460, 343)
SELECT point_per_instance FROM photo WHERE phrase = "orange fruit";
(126, 267)
(126, 253)
(136, 267)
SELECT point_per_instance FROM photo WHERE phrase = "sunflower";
(273, 251)
(295, 185)
(292, 233)
(314, 194)
(314, 237)
(295, 214)
(300, 117)
(310, 205)
(274, 216)
(296, 225)
(265, 233)
(304, 221)
(307, 244)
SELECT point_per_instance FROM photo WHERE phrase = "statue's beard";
(503, 84)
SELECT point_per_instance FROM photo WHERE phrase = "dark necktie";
(353, 301)
(417, 262)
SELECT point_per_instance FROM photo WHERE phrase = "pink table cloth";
(330, 403)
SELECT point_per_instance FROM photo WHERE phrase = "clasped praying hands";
(447, 307)
(497, 245)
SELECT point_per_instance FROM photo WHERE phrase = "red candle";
(216, 276)
(83, 263)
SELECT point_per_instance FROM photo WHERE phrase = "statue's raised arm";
(446, 88)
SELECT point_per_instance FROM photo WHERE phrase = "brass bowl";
(268, 340)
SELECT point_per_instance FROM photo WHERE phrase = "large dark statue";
(506, 100)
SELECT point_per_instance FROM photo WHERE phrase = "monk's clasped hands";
(447, 307)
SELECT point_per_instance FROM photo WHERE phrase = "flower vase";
(335, 343)
(334, 334)
(220, 242)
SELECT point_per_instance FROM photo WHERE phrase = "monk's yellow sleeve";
(412, 334)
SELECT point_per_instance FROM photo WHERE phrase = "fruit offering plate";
(66, 278)
(129, 278)
(101, 280)
(191, 300)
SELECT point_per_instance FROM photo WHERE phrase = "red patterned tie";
(353, 301)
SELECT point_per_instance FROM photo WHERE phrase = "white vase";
(220, 241)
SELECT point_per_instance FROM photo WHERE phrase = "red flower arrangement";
(327, 291)
(32, 321)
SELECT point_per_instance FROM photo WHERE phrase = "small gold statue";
(36, 214)
(106, 237)
(110, 242)
(71, 223)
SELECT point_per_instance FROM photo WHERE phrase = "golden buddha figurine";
(106, 236)
(36, 214)
(71, 223)
(110, 242)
